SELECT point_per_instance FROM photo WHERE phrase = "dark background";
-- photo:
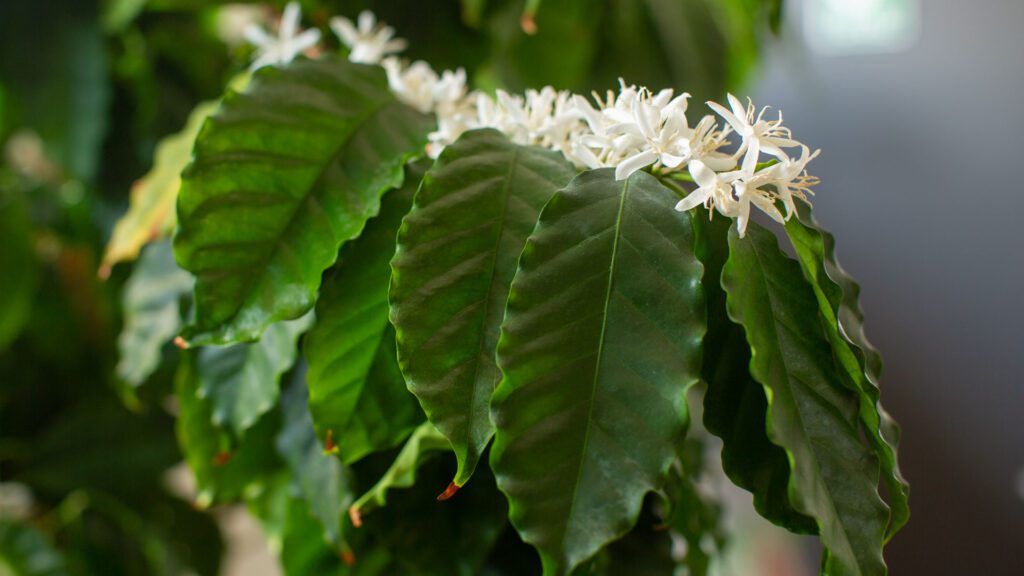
(921, 170)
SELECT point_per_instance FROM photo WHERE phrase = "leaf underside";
(600, 342)
(457, 253)
(242, 382)
(811, 413)
(735, 405)
(856, 359)
(284, 173)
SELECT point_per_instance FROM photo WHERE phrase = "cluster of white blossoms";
(630, 130)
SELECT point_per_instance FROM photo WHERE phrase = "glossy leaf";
(735, 405)
(242, 382)
(152, 314)
(320, 479)
(600, 342)
(811, 413)
(151, 213)
(25, 551)
(285, 172)
(837, 296)
(224, 467)
(424, 442)
(457, 253)
(18, 268)
(357, 395)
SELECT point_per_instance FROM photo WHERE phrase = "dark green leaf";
(837, 296)
(811, 413)
(18, 269)
(735, 405)
(600, 342)
(284, 173)
(242, 382)
(152, 314)
(25, 551)
(224, 467)
(457, 253)
(357, 394)
(424, 442)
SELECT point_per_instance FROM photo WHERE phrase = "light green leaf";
(242, 382)
(424, 442)
(457, 253)
(837, 296)
(284, 173)
(18, 268)
(150, 213)
(600, 342)
(225, 468)
(152, 314)
(735, 405)
(25, 551)
(357, 394)
(811, 413)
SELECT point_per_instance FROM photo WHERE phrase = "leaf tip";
(528, 24)
(181, 342)
(355, 516)
(348, 557)
(222, 458)
(448, 492)
(104, 272)
(330, 448)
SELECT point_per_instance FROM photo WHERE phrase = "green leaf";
(424, 442)
(18, 268)
(735, 405)
(150, 213)
(152, 314)
(242, 382)
(837, 296)
(292, 530)
(25, 551)
(357, 394)
(285, 172)
(600, 342)
(225, 468)
(811, 413)
(320, 479)
(457, 253)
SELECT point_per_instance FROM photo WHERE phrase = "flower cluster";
(630, 130)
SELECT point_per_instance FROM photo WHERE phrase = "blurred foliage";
(88, 90)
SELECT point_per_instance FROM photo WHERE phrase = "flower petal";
(693, 199)
(635, 162)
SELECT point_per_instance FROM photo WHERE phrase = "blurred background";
(915, 104)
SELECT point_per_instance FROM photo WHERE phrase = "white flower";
(414, 85)
(714, 190)
(790, 179)
(758, 134)
(747, 190)
(368, 43)
(659, 129)
(288, 43)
